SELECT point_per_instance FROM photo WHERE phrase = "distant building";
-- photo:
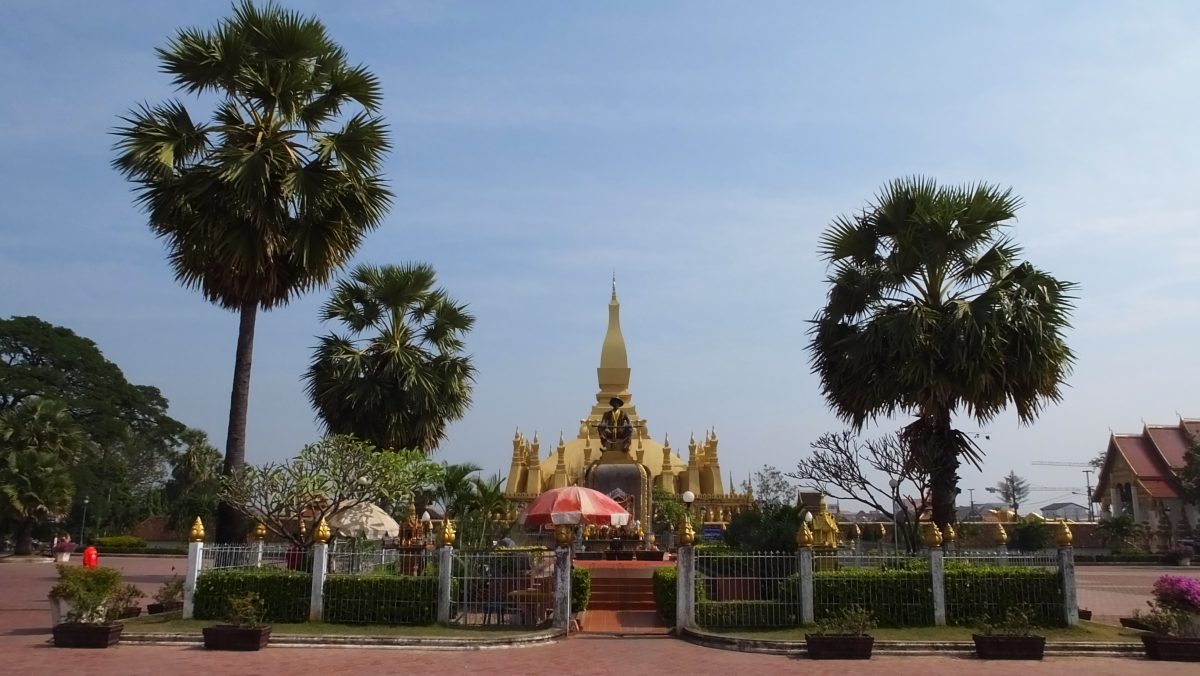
(1139, 476)
(1065, 510)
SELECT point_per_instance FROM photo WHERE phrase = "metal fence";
(771, 589)
(256, 555)
(513, 588)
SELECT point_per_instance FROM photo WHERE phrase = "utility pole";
(971, 513)
(1087, 477)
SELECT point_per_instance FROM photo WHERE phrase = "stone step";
(600, 604)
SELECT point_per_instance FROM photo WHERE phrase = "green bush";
(746, 614)
(898, 597)
(1029, 536)
(975, 592)
(117, 542)
(285, 594)
(581, 589)
(381, 599)
(665, 581)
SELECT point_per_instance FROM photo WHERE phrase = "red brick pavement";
(24, 620)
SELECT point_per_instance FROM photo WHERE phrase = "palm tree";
(272, 196)
(931, 313)
(39, 442)
(398, 375)
(489, 502)
(456, 493)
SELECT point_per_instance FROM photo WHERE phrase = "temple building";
(1140, 477)
(565, 462)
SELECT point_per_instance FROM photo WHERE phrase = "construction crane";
(1087, 475)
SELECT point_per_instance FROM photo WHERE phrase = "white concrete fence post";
(562, 588)
(194, 560)
(937, 572)
(445, 559)
(685, 589)
(257, 553)
(1066, 575)
(320, 568)
(805, 556)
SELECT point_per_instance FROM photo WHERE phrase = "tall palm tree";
(39, 441)
(398, 376)
(456, 493)
(930, 312)
(269, 198)
(490, 504)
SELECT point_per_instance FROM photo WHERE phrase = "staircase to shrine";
(622, 598)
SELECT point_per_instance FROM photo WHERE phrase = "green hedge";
(665, 596)
(747, 614)
(897, 597)
(285, 594)
(581, 589)
(381, 599)
(120, 542)
(975, 592)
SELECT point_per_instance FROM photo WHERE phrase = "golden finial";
(448, 533)
(856, 533)
(687, 535)
(260, 531)
(882, 532)
(322, 535)
(564, 534)
(303, 528)
(932, 536)
(197, 532)
(949, 535)
(1063, 537)
(1001, 535)
(804, 536)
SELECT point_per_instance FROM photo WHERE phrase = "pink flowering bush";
(1178, 593)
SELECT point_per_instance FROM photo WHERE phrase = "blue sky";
(699, 149)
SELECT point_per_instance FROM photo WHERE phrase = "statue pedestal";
(620, 477)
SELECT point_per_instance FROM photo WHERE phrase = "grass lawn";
(1086, 631)
(155, 624)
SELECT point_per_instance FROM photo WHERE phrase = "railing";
(773, 589)
(502, 587)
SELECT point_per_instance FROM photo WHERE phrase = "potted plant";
(1181, 555)
(90, 597)
(126, 601)
(63, 549)
(1173, 623)
(245, 629)
(843, 636)
(1085, 613)
(1010, 639)
(168, 597)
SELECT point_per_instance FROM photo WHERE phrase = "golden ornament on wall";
(804, 536)
(564, 534)
(687, 535)
(197, 532)
(448, 533)
(1001, 535)
(932, 537)
(260, 531)
(1063, 536)
(323, 534)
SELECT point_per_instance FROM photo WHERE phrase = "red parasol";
(575, 505)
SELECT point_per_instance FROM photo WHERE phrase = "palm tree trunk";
(943, 475)
(231, 525)
(24, 544)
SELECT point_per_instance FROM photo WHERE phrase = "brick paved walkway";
(24, 630)
(1111, 592)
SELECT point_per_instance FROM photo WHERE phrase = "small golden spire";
(1063, 537)
(856, 533)
(932, 536)
(322, 535)
(687, 535)
(949, 535)
(448, 533)
(564, 534)
(303, 528)
(260, 531)
(197, 532)
(804, 536)
(882, 532)
(1001, 535)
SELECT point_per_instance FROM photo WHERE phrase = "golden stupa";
(530, 474)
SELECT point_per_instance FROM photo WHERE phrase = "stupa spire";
(613, 373)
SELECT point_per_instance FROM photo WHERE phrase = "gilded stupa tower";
(530, 474)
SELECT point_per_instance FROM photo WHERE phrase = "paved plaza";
(24, 630)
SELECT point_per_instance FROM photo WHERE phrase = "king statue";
(615, 429)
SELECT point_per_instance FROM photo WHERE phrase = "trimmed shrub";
(381, 599)
(581, 589)
(118, 542)
(898, 597)
(285, 594)
(975, 592)
(746, 614)
(665, 581)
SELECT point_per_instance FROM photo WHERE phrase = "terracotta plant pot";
(1134, 623)
(839, 646)
(999, 647)
(131, 611)
(228, 637)
(1174, 649)
(156, 608)
(1085, 614)
(77, 635)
